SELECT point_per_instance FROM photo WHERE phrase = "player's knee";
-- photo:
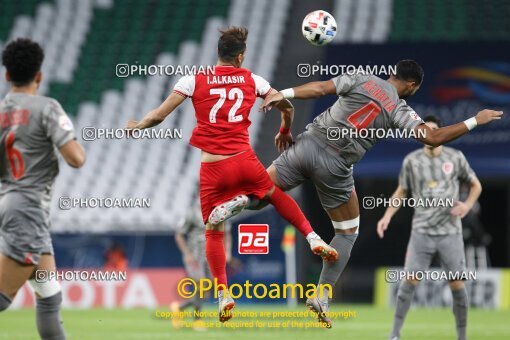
(412, 282)
(46, 289)
(456, 285)
(5, 302)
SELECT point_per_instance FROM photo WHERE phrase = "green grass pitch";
(369, 323)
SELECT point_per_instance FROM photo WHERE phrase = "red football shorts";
(223, 180)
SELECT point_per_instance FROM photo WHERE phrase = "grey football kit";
(324, 155)
(32, 128)
(435, 229)
(194, 230)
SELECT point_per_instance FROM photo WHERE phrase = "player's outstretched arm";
(73, 154)
(448, 133)
(159, 114)
(314, 89)
(384, 222)
(283, 138)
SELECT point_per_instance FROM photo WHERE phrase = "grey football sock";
(5, 302)
(48, 319)
(404, 297)
(460, 307)
(185, 304)
(331, 271)
(197, 304)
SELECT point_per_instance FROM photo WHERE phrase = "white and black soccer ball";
(319, 27)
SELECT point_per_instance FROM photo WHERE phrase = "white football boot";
(227, 209)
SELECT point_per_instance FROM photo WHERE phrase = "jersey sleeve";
(404, 178)
(262, 86)
(185, 86)
(466, 174)
(404, 117)
(344, 83)
(59, 128)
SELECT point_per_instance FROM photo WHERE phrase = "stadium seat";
(80, 72)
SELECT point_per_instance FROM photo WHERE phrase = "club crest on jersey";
(414, 115)
(447, 168)
(65, 123)
(432, 184)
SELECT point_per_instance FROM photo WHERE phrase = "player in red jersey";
(230, 170)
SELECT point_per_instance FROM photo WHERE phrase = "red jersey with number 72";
(222, 100)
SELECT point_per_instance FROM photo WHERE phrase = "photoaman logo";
(253, 239)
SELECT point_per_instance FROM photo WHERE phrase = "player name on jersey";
(219, 80)
(378, 93)
(11, 118)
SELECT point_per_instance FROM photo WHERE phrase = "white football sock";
(312, 236)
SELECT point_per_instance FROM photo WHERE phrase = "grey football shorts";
(423, 247)
(308, 158)
(24, 230)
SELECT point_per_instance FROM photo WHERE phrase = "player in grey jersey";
(190, 239)
(32, 129)
(326, 158)
(434, 173)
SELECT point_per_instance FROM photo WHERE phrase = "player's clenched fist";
(486, 116)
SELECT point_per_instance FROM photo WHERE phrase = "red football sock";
(289, 210)
(215, 254)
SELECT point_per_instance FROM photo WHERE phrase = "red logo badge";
(253, 239)
(447, 167)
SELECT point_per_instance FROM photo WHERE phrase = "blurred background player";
(115, 258)
(32, 128)
(230, 170)
(190, 239)
(427, 173)
(365, 101)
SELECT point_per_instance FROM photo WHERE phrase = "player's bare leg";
(48, 296)
(13, 276)
(288, 209)
(215, 255)
(345, 219)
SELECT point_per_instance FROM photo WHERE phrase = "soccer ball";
(319, 27)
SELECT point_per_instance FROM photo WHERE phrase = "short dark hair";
(232, 42)
(23, 59)
(433, 119)
(409, 70)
